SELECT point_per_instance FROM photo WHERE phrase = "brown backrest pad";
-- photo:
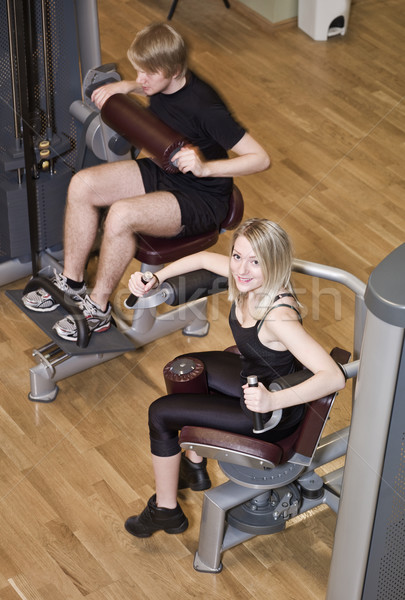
(235, 212)
(313, 424)
(316, 415)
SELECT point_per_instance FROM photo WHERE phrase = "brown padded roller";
(185, 375)
(143, 129)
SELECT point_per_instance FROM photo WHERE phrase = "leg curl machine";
(58, 359)
(47, 135)
(271, 483)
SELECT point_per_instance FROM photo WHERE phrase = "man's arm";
(251, 158)
(102, 93)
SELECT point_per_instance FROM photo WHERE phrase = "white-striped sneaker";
(97, 320)
(41, 301)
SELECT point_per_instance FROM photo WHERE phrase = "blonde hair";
(159, 47)
(273, 250)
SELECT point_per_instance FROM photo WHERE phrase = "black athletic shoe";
(153, 518)
(193, 475)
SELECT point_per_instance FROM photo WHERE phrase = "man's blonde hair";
(273, 250)
(159, 48)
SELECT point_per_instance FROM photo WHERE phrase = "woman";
(266, 325)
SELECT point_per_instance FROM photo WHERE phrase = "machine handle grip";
(132, 299)
(93, 86)
(257, 417)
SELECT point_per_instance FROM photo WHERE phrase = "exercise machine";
(269, 484)
(56, 131)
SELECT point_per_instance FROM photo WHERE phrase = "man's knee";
(81, 187)
(120, 218)
(88, 186)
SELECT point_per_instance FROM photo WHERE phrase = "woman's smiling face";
(245, 267)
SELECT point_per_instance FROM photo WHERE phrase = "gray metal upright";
(369, 550)
(88, 34)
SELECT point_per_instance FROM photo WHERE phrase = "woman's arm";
(251, 158)
(217, 263)
(327, 378)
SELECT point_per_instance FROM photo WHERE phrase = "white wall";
(274, 10)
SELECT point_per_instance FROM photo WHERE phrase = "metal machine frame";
(368, 493)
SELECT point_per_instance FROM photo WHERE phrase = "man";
(141, 197)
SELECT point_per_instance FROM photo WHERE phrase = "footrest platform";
(99, 343)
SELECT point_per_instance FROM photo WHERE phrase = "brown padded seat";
(158, 251)
(303, 441)
(274, 453)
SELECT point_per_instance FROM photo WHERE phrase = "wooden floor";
(332, 116)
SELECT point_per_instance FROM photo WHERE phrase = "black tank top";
(268, 364)
(258, 359)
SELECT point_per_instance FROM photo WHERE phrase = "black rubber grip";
(132, 299)
(257, 417)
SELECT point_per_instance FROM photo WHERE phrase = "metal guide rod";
(14, 89)
(22, 15)
(46, 69)
(88, 34)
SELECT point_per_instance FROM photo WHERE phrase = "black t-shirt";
(200, 115)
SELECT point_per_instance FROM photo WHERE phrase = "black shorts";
(201, 211)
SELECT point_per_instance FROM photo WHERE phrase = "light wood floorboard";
(331, 115)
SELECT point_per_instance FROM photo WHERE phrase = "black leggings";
(220, 409)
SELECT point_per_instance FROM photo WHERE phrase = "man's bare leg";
(156, 214)
(90, 190)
